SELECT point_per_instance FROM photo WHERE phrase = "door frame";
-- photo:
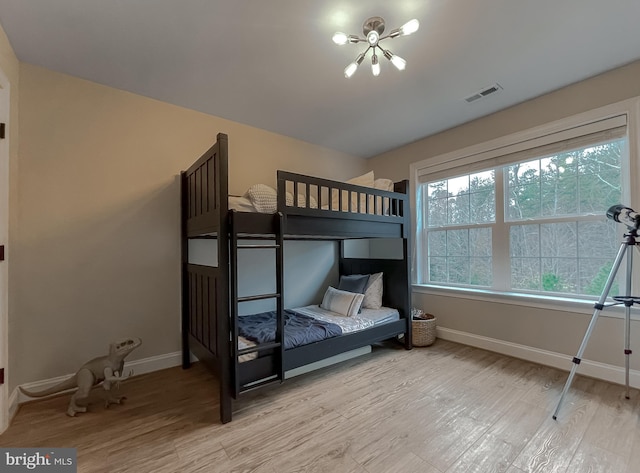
(5, 98)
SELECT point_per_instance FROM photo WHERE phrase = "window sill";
(580, 306)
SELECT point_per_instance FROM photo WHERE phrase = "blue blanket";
(298, 329)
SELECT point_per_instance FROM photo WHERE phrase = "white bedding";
(246, 343)
(365, 319)
(241, 204)
(244, 204)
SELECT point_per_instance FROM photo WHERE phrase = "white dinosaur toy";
(104, 369)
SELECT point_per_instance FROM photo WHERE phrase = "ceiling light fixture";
(373, 28)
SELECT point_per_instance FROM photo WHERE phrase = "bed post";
(184, 250)
(408, 342)
(223, 352)
(403, 187)
(408, 339)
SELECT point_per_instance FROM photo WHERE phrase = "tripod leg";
(627, 321)
(594, 318)
(627, 344)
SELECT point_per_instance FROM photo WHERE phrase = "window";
(459, 239)
(529, 218)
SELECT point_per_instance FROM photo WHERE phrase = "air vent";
(492, 89)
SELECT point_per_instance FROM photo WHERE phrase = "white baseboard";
(13, 405)
(145, 365)
(594, 369)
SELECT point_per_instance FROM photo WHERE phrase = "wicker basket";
(424, 330)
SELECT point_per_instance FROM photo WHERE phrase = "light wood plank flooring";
(444, 408)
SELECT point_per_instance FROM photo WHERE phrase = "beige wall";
(10, 67)
(556, 331)
(97, 246)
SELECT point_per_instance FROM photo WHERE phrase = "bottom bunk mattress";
(305, 325)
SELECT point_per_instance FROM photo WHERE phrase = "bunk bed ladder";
(278, 344)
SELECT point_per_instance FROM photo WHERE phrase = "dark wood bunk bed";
(210, 293)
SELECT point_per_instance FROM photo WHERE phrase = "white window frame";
(484, 151)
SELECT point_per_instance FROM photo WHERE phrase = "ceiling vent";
(492, 89)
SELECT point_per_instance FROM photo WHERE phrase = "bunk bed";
(210, 301)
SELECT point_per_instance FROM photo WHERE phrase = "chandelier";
(373, 28)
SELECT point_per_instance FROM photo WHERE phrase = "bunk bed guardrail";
(359, 211)
(318, 196)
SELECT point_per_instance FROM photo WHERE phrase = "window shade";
(547, 145)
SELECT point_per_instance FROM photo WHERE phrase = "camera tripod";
(626, 248)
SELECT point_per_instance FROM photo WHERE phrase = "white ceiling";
(272, 64)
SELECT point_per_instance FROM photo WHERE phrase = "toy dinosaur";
(104, 369)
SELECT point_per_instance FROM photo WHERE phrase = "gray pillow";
(373, 292)
(354, 283)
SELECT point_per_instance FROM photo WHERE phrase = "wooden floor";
(445, 408)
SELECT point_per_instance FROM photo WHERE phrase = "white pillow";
(302, 201)
(365, 180)
(342, 302)
(383, 184)
(263, 198)
(381, 202)
(373, 292)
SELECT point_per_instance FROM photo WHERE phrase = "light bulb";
(350, 70)
(398, 62)
(375, 65)
(395, 60)
(340, 38)
(410, 26)
(372, 38)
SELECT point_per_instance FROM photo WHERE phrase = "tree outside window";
(559, 239)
